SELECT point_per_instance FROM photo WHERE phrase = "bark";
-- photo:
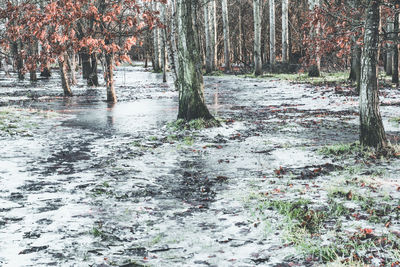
(163, 44)
(257, 37)
(33, 50)
(389, 54)
(240, 39)
(171, 41)
(93, 79)
(208, 37)
(146, 61)
(372, 133)
(156, 45)
(357, 66)
(285, 31)
(86, 65)
(32, 75)
(225, 20)
(272, 39)
(395, 75)
(109, 78)
(214, 32)
(45, 73)
(315, 70)
(190, 83)
(19, 64)
(71, 68)
(62, 63)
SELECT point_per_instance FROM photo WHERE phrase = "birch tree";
(225, 20)
(156, 44)
(214, 32)
(257, 37)
(171, 40)
(272, 40)
(208, 24)
(285, 31)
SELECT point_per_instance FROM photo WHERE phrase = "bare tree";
(257, 37)
(225, 20)
(372, 133)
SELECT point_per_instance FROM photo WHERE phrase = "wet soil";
(85, 183)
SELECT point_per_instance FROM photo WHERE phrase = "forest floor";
(281, 183)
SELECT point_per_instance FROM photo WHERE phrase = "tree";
(389, 50)
(156, 44)
(170, 36)
(62, 62)
(208, 37)
(272, 40)
(190, 78)
(257, 37)
(372, 133)
(285, 31)
(315, 69)
(395, 75)
(225, 20)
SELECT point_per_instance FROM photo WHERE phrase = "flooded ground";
(85, 183)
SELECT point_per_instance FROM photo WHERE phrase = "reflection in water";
(110, 115)
(215, 106)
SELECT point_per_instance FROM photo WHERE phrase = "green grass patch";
(198, 124)
(340, 149)
(396, 120)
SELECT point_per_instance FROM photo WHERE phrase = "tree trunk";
(240, 40)
(163, 44)
(33, 51)
(395, 75)
(285, 31)
(209, 45)
(156, 45)
(315, 69)
(86, 66)
(62, 63)
(19, 64)
(225, 20)
(372, 133)
(45, 73)
(272, 39)
(190, 83)
(389, 54)
(71, 68)
(93, 79)
(257, 37)
(357, 66)
(214, 32)
(171, 42)
(352, 76)
(109, 78)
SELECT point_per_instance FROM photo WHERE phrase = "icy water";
(92, 184)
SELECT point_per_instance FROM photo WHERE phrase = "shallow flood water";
(94, 184)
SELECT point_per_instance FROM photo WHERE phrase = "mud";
(94, 184)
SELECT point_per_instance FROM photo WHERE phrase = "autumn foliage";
(99, 26)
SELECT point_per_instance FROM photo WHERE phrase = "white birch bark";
(257, 37)
(285, 31)
(272, 39)
(225, 20)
